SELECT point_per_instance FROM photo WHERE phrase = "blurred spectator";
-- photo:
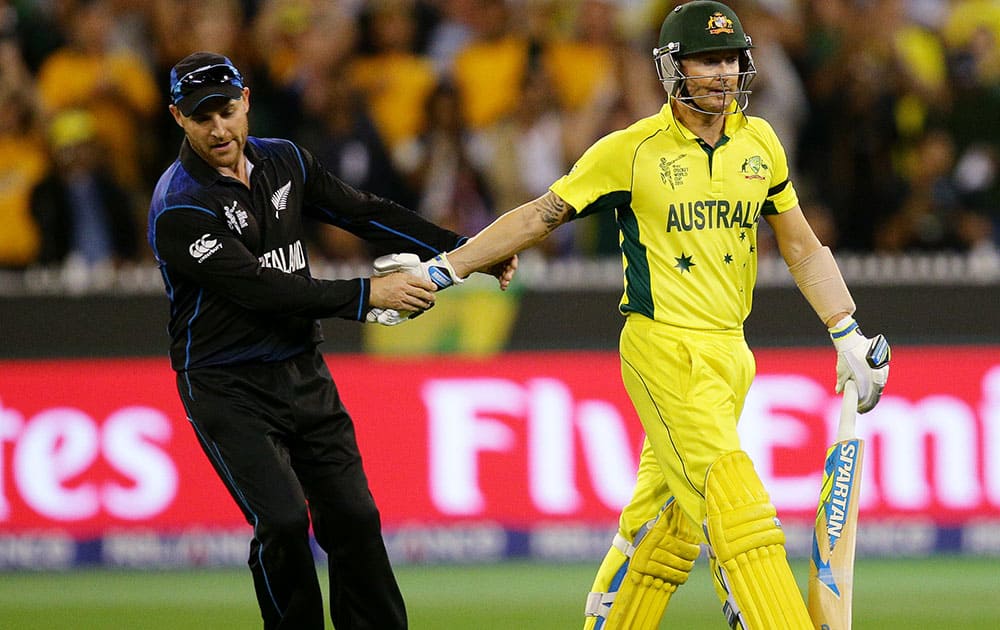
(863, 94)
(394, 79)
(974, 64)
(919, 56)
(298, 42)
(489, 71)
(847, 145)
(132, 29)
(585, 60)
(181, 27)
(602, 80)
(338, 130)
(451, 32)
(85, 218)
(115, 86)
(36, 27)
(931, 211)
(966, 18)
(522, 154)
(455, 194)
(23, 162)
(779, 95)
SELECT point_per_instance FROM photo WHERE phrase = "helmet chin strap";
(741, 97)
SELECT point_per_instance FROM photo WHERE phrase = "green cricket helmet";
(696, 27)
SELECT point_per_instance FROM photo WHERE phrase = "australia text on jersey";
(711, 214)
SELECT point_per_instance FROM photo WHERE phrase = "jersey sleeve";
(191, 240)
(781, 195)
(386, 226)
(600, 180)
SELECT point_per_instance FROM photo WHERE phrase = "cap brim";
(189, 103)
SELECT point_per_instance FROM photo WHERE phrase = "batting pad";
(640, 589)
(749, 549)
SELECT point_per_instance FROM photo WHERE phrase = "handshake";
(437, 270)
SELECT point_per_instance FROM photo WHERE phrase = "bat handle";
(848, 412)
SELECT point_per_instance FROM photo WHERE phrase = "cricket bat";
(831, 568)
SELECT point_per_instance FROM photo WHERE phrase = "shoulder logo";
(280, 198)
(754, 167)
(718, 23)
(236, 218)
(204, 247)
(671, 172)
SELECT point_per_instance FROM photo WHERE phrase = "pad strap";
(659, 561)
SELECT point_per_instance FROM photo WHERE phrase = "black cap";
(201, 76)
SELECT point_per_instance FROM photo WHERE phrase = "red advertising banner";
(519, 440)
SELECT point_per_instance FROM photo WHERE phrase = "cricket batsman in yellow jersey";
(689, 186)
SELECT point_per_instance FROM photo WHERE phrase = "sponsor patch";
(204, 247)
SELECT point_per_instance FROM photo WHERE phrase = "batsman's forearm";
(515, 231)
(818, 278)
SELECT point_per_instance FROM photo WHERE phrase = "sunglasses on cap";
(217, 74)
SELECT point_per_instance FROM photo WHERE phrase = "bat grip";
(848, 412)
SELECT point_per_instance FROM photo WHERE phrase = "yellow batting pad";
(639, 592)
(749, 549)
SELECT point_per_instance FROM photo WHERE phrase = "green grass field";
(951, 593)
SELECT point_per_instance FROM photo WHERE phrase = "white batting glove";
(385, 316)
(862, 360)
(439, 271)
(383, 266)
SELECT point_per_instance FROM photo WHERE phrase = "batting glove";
(383, 266)
(439, 271)
(862, 360)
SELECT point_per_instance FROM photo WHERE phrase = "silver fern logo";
(280, 198)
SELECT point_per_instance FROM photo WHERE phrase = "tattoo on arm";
(553, 211)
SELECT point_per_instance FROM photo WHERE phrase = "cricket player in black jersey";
(225, 225)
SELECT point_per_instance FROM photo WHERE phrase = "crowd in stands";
(462, 109)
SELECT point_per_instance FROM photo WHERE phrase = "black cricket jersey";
(234, 260)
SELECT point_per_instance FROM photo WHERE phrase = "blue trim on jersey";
(167, 283)
(302, 162)
(155, 216)
(406, 236)
(361, 300)
(334, 218)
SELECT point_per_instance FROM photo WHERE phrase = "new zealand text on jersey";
(712, 213)
(293, 260)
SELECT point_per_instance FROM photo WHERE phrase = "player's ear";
(246, 99)
(178, 117)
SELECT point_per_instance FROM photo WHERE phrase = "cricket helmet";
(696, 27)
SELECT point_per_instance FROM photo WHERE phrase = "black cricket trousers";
(284, 445)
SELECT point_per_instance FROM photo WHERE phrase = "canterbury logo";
(204, 247)
(280, 198)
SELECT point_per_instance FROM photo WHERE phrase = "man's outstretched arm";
(513, 232)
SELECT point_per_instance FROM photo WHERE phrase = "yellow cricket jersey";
(687, 213)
